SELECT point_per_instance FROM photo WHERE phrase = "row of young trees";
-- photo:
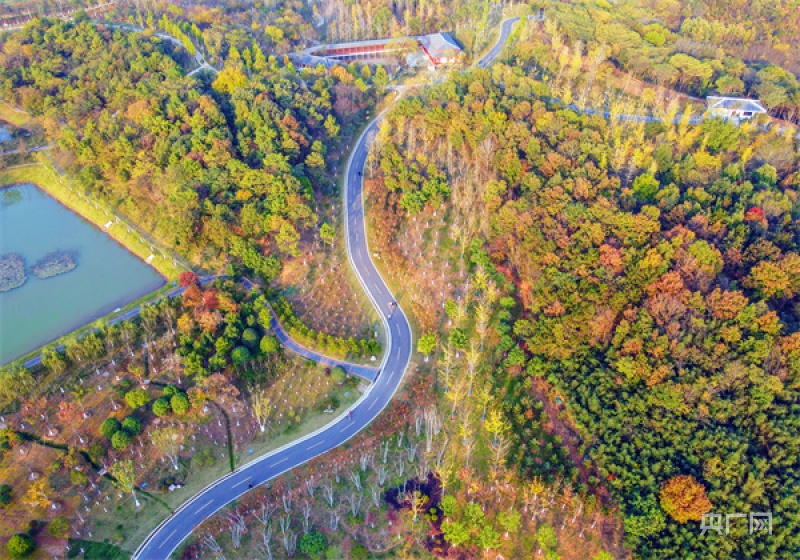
(331, 345)
(486, 439)
(184, 32)
(366, 20)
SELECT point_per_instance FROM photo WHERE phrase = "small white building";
(440, 48)
(734, 109)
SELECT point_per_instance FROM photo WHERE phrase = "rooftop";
(735, 104)
(440, 45)
(321, 50)
(306, 59)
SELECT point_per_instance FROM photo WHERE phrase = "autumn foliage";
(684, 498)
(188, 278)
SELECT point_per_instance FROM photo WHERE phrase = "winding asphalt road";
(168, 536)
(494, 52)
(365, 372)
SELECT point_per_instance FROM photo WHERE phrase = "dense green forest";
(656, 275)
(282, 26)
(700, 47)
(213, 169)
(731, 47)
(634, 285)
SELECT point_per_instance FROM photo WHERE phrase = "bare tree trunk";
(355, 478)
(355, 500)
(400, 466)
(327, 491)
(311, 486)
(432, 426)
(287, 503)
(288, 538)
(265, 513)
(376, 495)
(307, 523)
(334, 520)
(237, 527)
(266, 539)
(211, 544)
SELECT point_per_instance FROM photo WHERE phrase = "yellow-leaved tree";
(684, 498)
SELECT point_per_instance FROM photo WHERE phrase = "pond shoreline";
(115, 278)
(53, 186)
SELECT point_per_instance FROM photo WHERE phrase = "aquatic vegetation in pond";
(107, 276)
(9, 197)
(53, 264)
(12, 271)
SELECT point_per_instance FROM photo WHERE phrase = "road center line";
(204, 506)
(315, 445)
(167, 538)
(370, 280)
(279, 462)
(240, 483)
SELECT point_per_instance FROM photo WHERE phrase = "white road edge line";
(322, 429)
(329, 426)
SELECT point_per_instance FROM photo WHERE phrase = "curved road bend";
(365, 372)
(494, 52)
(167, 536)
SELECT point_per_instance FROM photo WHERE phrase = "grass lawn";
(47, 178)
(96, 324)
(14, 116)
(312, 422)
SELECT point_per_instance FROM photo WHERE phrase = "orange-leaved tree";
(684, 498)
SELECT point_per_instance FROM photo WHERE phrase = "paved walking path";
(130, 314)
(365, 372)
(172, 531)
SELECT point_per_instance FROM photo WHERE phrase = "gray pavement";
(169, 535)
(399, 346)
(365, 372)
(494, 52)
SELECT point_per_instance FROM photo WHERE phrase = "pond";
(105, 275)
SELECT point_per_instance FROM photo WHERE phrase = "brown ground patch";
(319, 285)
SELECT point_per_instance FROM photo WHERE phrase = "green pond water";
(108, 276)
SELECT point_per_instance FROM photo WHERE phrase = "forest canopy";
(215, 172)
(656, 274)
(698, 47)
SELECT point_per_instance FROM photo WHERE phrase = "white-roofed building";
(734, 109)
(441, 48)
(422, 50)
